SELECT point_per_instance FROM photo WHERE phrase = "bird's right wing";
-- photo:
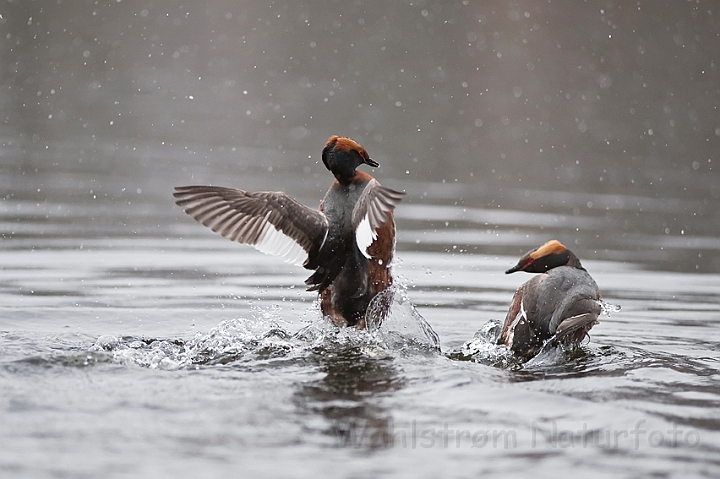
(272, 222)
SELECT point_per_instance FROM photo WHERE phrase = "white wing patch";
(520, 316)
(364, 236)
(372, 209)
(274, 242)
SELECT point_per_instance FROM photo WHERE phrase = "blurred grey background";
(504, 98)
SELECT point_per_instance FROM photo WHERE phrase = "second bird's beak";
(372, 163)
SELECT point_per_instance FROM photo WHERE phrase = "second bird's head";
(342, 156)
(548, 256)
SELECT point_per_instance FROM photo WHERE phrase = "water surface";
(135, 343)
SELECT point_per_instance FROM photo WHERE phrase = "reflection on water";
(347, 395)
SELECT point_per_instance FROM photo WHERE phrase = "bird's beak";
(524, 263)
(372, 163)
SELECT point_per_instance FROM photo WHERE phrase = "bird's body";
(350, 279)
(349, 241)
(561, 303)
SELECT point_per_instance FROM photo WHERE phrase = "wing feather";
(272, 222)
(372, 210)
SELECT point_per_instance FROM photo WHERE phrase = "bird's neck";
(574, 261)
(355, 177)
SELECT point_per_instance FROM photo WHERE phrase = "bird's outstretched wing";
(372, 209)
(272, 222)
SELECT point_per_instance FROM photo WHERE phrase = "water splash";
(395, 322)
(607, 308)
(483, 349)
(394, 327)
(231, 340)
(151, 353)
(239, 339)
(323, 337)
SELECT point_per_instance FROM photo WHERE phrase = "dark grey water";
(134, 343)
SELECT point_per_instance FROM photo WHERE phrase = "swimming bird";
(561, 303)
(348, 242)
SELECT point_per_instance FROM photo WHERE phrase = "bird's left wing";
(372, 209)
